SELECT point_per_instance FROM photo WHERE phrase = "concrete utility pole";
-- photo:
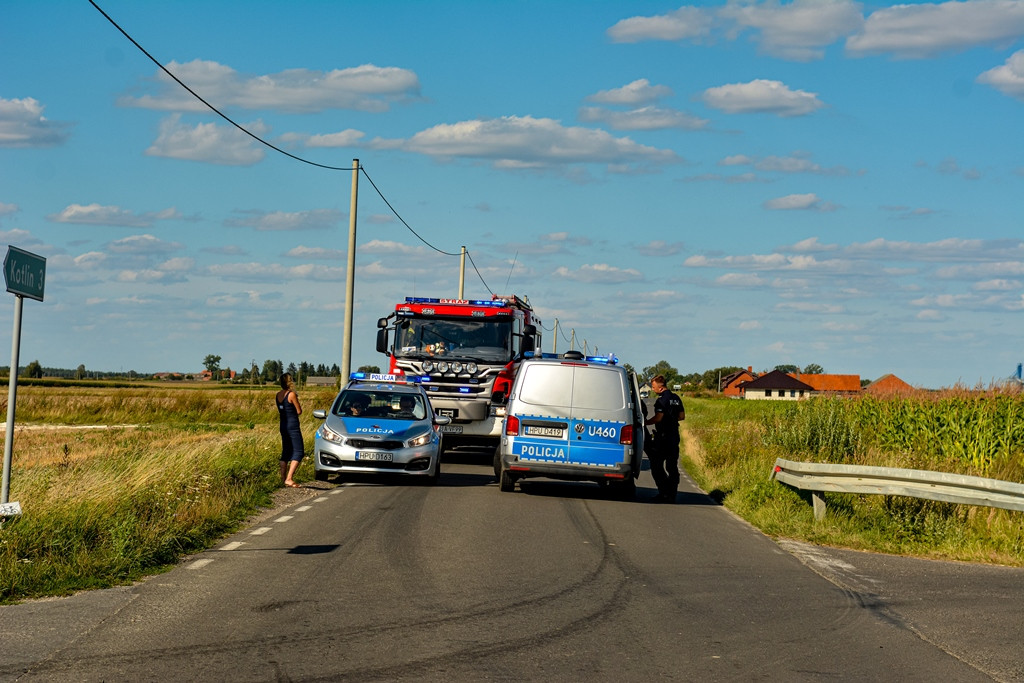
(350, 281)
(462, 273)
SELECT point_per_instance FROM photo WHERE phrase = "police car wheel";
(506, 482)
(626, 490)
(436, 476)
(497, 463)
(321, 475)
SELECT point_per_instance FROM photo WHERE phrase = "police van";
(572, 417)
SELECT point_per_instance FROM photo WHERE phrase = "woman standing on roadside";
(292, 449)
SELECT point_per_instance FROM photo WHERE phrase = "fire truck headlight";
(442, 366)
(471, 368)
(428, 365)
(456, 367)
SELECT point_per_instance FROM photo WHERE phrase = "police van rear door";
(600, 410)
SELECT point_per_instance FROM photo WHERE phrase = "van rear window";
(566, 386)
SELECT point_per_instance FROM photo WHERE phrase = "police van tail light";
(626, 435)
(511, 426)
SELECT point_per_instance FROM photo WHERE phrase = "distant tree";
(272, 370)
(293, 371)
(212, 363)
(794, 369)
(321, 370)
(662, 368)
(629, 368)
(335, 370)
(80, 372)
(814, 369)
(368, 368)
(710, 378)
(33, 369)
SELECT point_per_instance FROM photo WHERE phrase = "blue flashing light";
(396, 379)
(610, 359)
(463, 390)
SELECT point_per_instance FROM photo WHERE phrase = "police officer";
(664, 451)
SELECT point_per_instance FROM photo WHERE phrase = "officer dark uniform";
(664, 451)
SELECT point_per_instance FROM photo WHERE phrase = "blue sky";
(719, 183)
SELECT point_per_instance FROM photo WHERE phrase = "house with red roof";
(775, 386)
(845, 385)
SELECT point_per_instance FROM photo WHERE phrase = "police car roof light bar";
(394, 379)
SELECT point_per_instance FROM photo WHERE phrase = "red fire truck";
(470, 349)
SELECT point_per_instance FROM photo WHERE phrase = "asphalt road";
(386, 581)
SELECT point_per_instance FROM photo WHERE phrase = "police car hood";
(375, 427)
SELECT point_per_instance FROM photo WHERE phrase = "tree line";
(709, 379)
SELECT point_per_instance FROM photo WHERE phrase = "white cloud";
(683, 23)
(660, 248)
(317, 253)
(639, 91)
(22, 124)
(1008, 78)
(645, 118)
(282, 221)
(346, 138)
(798, 30)
(96, 214)
(525, 142)
(275, 272)
(799, 202)
(762, 97)
(740, 280)
(926, 29)
(599, 273)
(794, 163)
(750, 325)
(142, 245)
(208, 142)
(366, 88)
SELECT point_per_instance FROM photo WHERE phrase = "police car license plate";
(451, 429)
(533, 430)
(376, 456)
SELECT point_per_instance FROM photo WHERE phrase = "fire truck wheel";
(507, 482)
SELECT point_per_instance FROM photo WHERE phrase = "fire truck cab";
(470, 349)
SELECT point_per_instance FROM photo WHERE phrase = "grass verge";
(732, 447)
(108, 506)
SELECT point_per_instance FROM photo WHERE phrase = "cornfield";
(967, 432)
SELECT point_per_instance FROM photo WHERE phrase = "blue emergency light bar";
(610, 359)
(397, 379)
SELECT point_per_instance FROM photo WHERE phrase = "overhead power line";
(274, 147)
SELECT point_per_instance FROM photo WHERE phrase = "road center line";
(284, 519)
(259, 532)
(234, 545)
(199, 564)
(303, 508)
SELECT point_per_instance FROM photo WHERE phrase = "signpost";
(25, 275)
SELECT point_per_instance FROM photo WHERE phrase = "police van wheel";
(506, 482)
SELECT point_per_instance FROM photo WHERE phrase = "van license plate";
(532, 430)
(376, 456)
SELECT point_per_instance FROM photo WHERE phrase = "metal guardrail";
(892, 481)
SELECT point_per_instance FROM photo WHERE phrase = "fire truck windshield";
(480, 340)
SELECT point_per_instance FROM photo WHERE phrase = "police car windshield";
(382, 404)
(480, 340)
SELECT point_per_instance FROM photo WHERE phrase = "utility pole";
(462, 273)
(555, 348)
(350, 281)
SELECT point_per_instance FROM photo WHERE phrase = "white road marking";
(303, 508)
(259, 532)
(234, 545)
(199, 564)
(284, 519)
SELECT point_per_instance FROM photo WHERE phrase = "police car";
(379, 424)
(572, 417)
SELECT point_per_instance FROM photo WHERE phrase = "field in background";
(733, 446)
(174, 469)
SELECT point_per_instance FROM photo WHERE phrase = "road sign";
(24, 273)
(10, 509)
